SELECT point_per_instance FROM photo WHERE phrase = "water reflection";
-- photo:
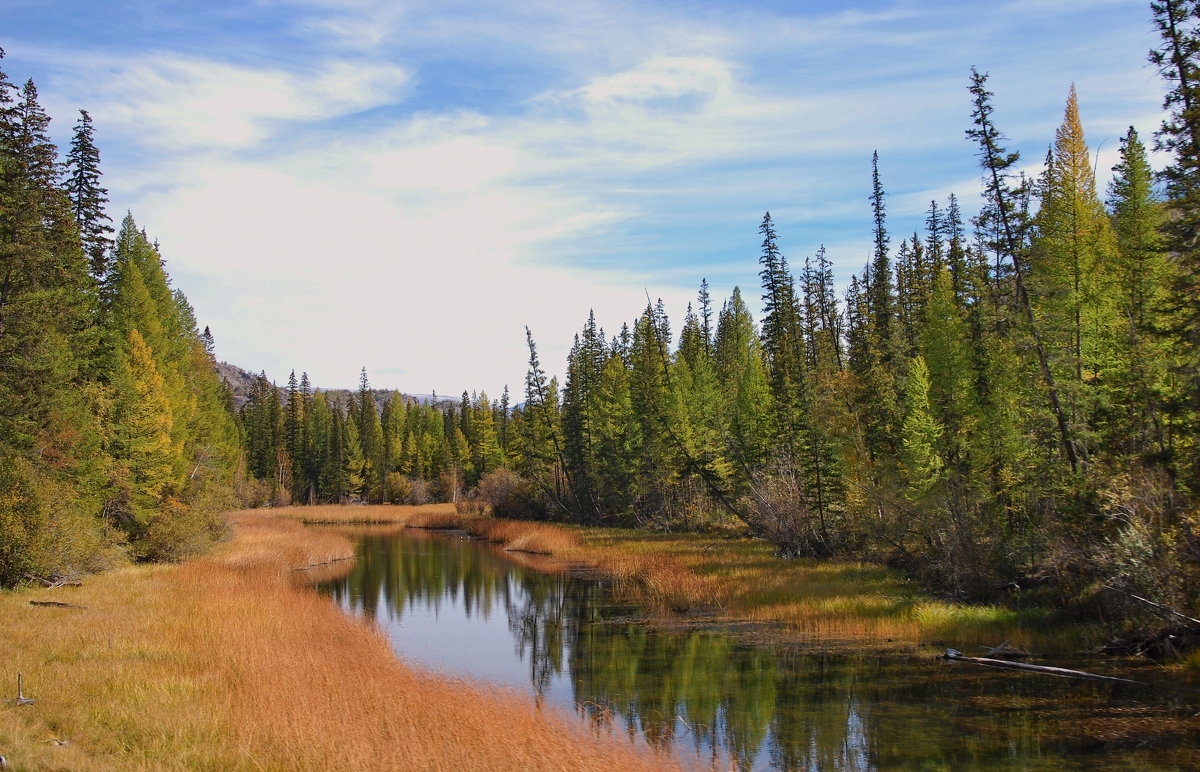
(458, 606)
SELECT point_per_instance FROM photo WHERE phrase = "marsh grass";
(742, 577)
(330, 514)
(522, 536)
(222, 663)
(827, 600)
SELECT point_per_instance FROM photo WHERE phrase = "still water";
(460, 607)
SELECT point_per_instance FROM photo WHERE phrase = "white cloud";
(182, 103)
(420, 244)
(661, 78)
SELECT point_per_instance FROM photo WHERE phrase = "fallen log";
(56, 603)
(1004, 651)
(954, 655)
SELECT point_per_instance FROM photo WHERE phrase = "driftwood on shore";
(21, 699)
(954, 655)
(55, 603)
(49, 585)
(323, 563)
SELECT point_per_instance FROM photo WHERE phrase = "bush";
(45, 531)
(511, 496)
(779, 512)
(419, 492)
(179, 531)
(398, 488)
(253, 493)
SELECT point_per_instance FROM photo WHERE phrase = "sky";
(405, 185)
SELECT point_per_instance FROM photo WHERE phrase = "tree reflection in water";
(702, 694)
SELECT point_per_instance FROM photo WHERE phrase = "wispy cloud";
(186, 103)
(407, 185)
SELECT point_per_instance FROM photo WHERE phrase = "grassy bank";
(743, 578)
(227, 663)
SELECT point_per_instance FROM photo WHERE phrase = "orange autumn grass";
(223, 663)
(742, 577)
(329, 514)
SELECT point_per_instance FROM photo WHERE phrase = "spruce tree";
(1144, 273)
(1178, 61)
(1003, 202)
(740, 367)
(783, 343)
(88, 197)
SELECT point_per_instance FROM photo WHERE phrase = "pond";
(460, 607)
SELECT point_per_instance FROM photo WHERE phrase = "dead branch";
(954, 655)
(1004, 651)
(324, 563)
(1169, 612)
(54, 585)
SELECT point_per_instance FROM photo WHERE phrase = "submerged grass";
(224, 663)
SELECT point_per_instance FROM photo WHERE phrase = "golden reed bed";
(224, 663)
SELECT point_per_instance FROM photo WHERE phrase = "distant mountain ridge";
(241, 382)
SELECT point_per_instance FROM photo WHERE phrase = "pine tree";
(321, 473)
(650, 399)
(1003, 204)
(539, 450)
(370, 437)
(783, 343)
(920, 434)
(881, 298)
(740, 367)
(697, 402)
(616, 439)
(485, 450)
(1144, 274)
(45, 294)
(706, 315)
(1178, 61)
(88, 197)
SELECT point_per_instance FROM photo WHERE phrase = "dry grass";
(223, 664)
(743, 577)
(343, 514)
(413, 516)
(825, 600)
(832, 601)
(521, 536)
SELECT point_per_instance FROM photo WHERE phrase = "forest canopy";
(1005, 399)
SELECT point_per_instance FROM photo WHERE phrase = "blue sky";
(406, 185)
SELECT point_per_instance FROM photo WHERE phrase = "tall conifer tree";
(88, 197)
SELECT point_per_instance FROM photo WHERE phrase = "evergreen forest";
(1004, 401)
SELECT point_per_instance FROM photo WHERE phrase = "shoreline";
(696, 579)
(228, 661)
